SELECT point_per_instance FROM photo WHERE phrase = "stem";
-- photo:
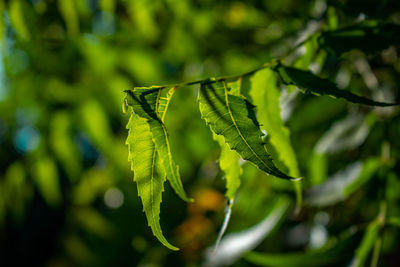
(381, 218)
(376, 252)
(226, 78)
(378, 243)
(299, 196)
(225, 223)
(234, 77)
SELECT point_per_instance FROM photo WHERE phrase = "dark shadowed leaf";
(369, 39)
(310, 83)
(233, 117)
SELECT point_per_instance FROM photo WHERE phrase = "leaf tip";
(287, 177)
(174, 248)
(296, 179)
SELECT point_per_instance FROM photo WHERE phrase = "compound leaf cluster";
(234, 120)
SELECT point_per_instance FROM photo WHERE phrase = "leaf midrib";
(236, 126)
(152, 190)
(161, 121)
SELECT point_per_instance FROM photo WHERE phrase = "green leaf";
(317, 168)
(229, 164)
(311, 49)
(265, 95)
(143, 157)
(345, 134)
(2, 23)
(333, 254)
(63, 146)
(343, 183)
(366, 245)
(93, 221)
(16, 192)
(150, 104)
(369, 168)
(290, 259)
(308, 82)
(70, 15)
(96, 123)
(367, 38)
(233, 117)
(395, 221)
(45, 175)
(163, 103)
(17, 19)
(107, 5)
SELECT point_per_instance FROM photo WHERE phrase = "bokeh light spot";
(114, 198)
(26, 139)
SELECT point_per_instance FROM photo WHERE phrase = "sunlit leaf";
(265, 95)
(143, 157)
(145, 102)
(229, 164)
(308, 82)
(233, 117)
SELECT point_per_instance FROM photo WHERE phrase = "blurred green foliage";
(67, 196)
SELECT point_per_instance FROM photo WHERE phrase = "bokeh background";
(67, 196)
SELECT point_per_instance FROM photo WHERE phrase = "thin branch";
(234, 77)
